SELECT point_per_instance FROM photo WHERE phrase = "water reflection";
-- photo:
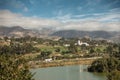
(66, 73)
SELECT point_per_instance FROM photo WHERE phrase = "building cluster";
(78, 43)
(82, 43)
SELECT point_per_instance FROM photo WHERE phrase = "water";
(76, 72)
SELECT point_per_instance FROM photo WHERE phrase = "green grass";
(50, 48)
(102, 47)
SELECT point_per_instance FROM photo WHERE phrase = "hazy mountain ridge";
(92, 34)
(16, 31)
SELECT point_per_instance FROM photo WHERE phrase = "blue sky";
(61, 14)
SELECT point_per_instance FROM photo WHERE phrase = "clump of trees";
(13, 67)
(18, 49)
(105, 65)
(110, 64)
(114, 75)
(45, 54)
(72, 48)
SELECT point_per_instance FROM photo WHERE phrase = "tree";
(105, 65)
(98, 50)
(114, 75)
(83, 47)
(6, 38)
(57, 50)
(13, 67)
(109, 49)
(45, 54)
(17, 48)
(109, 65)
(72, 48)
(92, 50)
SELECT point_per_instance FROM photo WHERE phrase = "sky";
(87, 15)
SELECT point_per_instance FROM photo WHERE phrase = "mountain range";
(109, 35)
(92, 34)
(18, 31)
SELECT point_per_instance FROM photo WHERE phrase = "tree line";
(109, 65)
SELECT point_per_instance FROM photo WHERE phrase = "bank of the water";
(74, 72)
(43, 64)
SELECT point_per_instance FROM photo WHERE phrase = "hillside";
(16, 31)
(92, 34)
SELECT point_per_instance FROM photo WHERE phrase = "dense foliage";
(105, 65)
(45, 53)
(109, 65)
(13, 67)
(15, 48)
(114, 75)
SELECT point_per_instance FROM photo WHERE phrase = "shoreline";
(56, 63)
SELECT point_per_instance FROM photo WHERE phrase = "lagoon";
(75, 72)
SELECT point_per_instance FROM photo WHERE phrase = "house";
(48, 60)
(82, 43)
(66, 45)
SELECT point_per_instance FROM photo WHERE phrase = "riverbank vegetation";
(109, 65)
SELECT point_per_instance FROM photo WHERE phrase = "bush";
(114, 75)
(105, 65)
(14, 68)
(45, 53)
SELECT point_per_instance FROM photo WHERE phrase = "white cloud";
(17, 4)
(100, 17)
(92, 2)
(92, 25)
(64, 18)
(8, 18)
(115, 10)
(109, 17)
(25, 9)
(59, 13)
(31, 1)
(79, 8)
(68, 21)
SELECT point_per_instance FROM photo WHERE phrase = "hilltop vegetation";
(67, 48)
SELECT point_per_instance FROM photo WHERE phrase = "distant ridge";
(16, 31)
(92, 34)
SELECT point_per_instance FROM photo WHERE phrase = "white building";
(48, 60)
(66, 45)
(82, 43)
